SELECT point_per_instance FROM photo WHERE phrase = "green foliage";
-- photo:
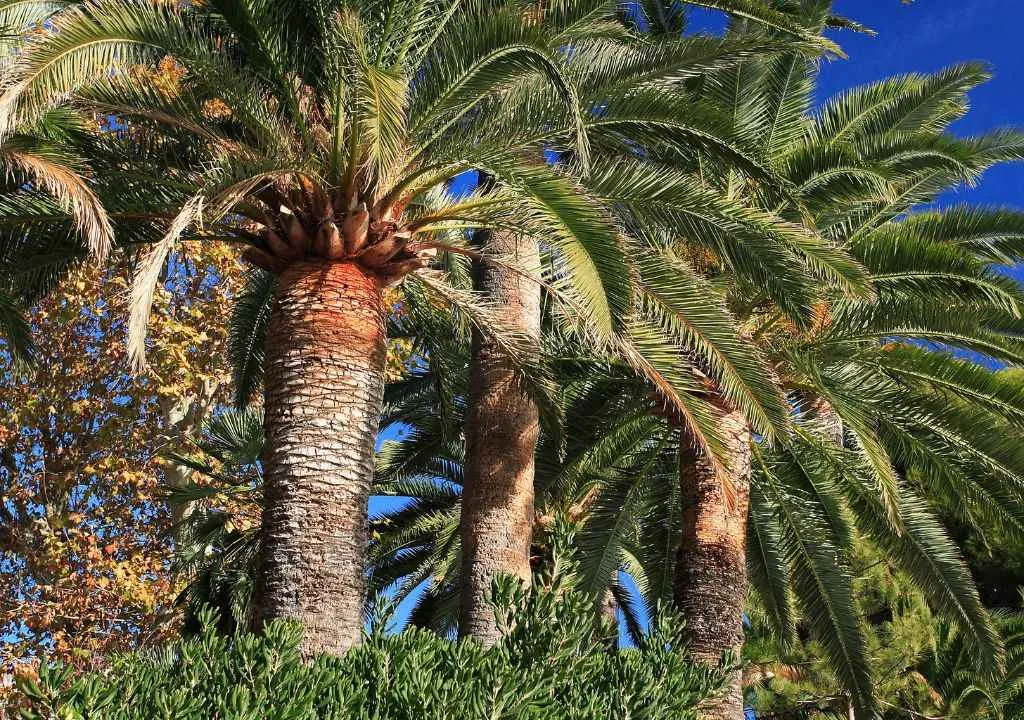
(554, 662)
(924, 667)
(225, 109)
(217, 539)
(15, 333)
(702, 222)
(84, 534)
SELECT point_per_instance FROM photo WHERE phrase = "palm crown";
(308, 129)
(329, 130)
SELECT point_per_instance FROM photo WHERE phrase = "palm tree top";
(329, 130)
(319, 130)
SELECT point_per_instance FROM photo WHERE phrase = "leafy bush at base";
(555, 663)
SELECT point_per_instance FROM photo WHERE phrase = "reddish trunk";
(711, 571)
(501, 436)
(325, 357)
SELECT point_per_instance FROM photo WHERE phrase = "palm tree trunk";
(609, 608)
(501, 437)
(831, 423)
(325, 357)
(710, 582)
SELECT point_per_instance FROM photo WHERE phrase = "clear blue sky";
(926, 36)
(931, 34)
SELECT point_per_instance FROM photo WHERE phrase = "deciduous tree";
(85, 534)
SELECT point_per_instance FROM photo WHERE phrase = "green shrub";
(555, 662)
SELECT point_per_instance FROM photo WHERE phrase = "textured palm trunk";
(711, 570)
(325, 357)
(501, 437)
(609, 608)
(831, 423)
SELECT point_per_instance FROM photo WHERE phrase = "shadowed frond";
(247, 333)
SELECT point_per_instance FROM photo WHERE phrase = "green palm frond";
(247, 332)
(15, 330)
(821, 584)
(235, 437)
(764, 15)
(83, 42)
(687, 308)
(767, 571)
(992, 235)
(925, 552)
(943, 373)
(584, 236)
(788, 100)
(904, 103)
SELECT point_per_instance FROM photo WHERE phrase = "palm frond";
(147, 275)
(247, 332)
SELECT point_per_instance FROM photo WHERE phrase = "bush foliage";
(555, 662)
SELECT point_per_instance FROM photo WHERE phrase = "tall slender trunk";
(325, 356)
(501, 437)
(710, 582)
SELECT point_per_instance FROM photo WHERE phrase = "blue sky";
(926, 36)
(931, 34)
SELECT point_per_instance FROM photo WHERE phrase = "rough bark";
(501, 436)
(609, 608)
(711, 570)
(325, 358)
(831, 423)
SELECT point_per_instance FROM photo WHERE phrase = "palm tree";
(502, 427)
(502, 422)
(421, 540)
(640, 77)
(318, 135)
(865, 159)
(904, 436)
(321, 136)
